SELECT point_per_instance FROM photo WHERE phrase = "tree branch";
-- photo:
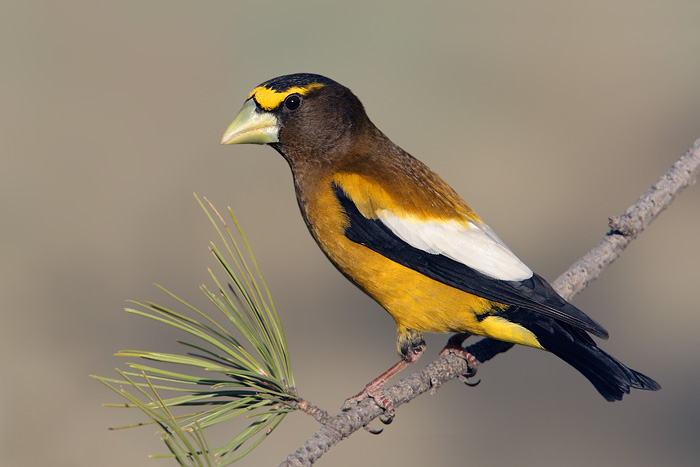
(624, 229)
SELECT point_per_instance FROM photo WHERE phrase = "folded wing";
(463, 254)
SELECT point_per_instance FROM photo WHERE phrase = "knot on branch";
(308, 408)
(624, 225)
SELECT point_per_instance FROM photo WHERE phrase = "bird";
(400, 233)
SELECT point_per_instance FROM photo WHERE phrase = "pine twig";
(624, 229)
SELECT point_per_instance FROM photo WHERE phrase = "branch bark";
(623, 229)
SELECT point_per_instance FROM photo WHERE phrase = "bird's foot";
(454, 346)
(375, 392)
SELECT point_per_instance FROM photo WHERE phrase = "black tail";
(611, 378)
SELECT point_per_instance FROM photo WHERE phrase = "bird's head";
(300, 113)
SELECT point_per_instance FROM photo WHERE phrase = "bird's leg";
(374, 388)
(454, 346)
(410, 345)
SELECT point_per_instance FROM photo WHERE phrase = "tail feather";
(609, 376)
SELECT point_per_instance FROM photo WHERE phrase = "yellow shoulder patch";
(371, 197)
(367, 195)
(269, 99)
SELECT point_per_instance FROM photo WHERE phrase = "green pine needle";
(249, 375)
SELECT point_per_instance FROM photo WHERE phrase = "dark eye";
(292, 102)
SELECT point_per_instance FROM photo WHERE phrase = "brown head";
(301, 115)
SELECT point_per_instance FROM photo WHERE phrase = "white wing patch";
(471, 244)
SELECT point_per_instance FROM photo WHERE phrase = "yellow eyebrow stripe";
(270, 99)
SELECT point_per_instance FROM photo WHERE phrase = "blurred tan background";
(546, 116)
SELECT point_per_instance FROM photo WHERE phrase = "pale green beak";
(252, 126)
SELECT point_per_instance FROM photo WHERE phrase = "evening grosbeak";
(401, 234)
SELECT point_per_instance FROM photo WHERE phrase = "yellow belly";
(422, 304)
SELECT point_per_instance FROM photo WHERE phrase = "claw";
(386, 419)
(454, 346)
(465, 380)
(350, 401)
